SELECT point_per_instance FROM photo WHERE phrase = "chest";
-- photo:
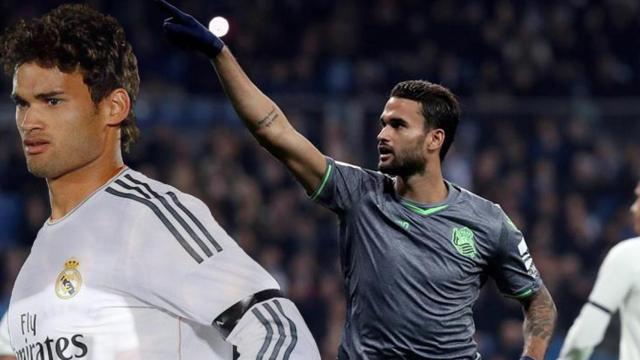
(392, 241)
(68, 288)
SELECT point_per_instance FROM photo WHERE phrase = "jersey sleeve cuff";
(526, 292)
(325, 180)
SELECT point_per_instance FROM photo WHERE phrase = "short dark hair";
(74, 36)
(440, 107)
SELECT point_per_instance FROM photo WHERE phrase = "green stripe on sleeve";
(523, 294)
(324, 182)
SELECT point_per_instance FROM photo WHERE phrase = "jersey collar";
(57, 221)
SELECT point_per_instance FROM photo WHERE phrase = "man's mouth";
(385, 152)
(34, 146)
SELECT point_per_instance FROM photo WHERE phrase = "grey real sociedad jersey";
(413, 272)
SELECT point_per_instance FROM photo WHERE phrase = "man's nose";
(383, 134)
(30, 120)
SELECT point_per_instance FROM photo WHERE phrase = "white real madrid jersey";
(137, 271)
(617, 288)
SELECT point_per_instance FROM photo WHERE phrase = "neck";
(427, 187)
(69, 190)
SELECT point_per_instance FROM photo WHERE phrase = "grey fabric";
(412, 276)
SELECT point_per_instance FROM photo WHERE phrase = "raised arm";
(259, 113)
(268, 124)
(539, 321)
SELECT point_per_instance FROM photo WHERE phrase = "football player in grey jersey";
(415, 249)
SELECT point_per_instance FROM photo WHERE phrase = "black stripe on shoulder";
(134, 188)
(162, 218)
(292, 328)
(174, 213)
(281, 334)
(267, 339)
(599, 307)
(195, 220)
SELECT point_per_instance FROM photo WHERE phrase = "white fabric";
(273, 329)
(110, 281)
(617, 288)
(5, 346)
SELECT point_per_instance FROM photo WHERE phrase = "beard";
(405, 163)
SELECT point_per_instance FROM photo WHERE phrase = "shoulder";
(477, 202)
(143, 200)
(159, 214)
(137, 188)
(367, 177)
(631, 245)
(351, 168)
(625, 254)
(480, 208)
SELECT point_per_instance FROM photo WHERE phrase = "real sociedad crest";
(69, 280)
(464, 242)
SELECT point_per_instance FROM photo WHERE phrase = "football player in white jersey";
(126, 267)
(617, 288)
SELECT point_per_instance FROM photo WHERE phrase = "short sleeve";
(344, 184)
(616, 276)
(512, 268)
(187, 264)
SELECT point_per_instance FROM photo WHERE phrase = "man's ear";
(117, 106)
(435, 139)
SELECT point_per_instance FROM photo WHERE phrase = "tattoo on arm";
(540, 321)
(268, 119)
(541, 315)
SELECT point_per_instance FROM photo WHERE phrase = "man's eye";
(19, 102)
(53, 101)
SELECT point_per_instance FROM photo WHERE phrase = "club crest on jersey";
(69, 280)
(464, 242)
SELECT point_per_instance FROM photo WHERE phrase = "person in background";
(617, 288)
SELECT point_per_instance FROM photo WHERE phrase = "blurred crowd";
(564, 174)
(477, 47)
